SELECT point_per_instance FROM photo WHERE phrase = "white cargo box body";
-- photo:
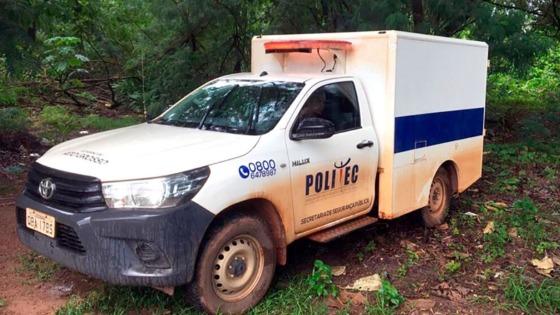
(427, 99)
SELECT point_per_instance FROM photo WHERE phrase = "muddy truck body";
(328, 133)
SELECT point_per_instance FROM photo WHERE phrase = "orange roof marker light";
(305, 46)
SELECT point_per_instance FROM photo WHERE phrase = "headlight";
(160, 192)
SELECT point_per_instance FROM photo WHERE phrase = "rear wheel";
(439, 200)
(235, 268)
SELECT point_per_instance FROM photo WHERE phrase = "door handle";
(365, 143)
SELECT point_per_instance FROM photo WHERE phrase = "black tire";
(439, 200)
(228, 259)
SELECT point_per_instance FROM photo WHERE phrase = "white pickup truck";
(327, 134)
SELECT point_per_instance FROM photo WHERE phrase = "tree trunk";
(418, 16)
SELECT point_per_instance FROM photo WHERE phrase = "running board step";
(336, 231)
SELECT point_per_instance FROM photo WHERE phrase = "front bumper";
(128, 247)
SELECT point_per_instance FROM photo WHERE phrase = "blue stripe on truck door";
(435, 128)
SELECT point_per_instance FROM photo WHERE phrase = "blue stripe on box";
(434, 128)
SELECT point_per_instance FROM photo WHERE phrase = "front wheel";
(235, 268)
(439, 200)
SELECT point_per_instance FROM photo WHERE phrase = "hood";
(144, 151)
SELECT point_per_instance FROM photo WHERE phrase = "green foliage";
(511, 94)
(155, 52)
(290, 296)
(388, 299)
(14, 169)
(124, 300)
(13, 119)
(62, 59)
(452, 266)
(411, 259)
(320, 281)
(59, 118)
(8, 95)
(2, 302)
(495, 242)
(41, 267)
(530, 297)
(545, 246)
(105, 123)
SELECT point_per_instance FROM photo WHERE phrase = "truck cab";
(328, 133)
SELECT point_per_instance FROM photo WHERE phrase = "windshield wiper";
(177, 123)
(211, 107)
(220, 128)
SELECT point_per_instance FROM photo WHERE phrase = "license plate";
(40, 222)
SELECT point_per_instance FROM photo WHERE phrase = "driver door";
(332, 178)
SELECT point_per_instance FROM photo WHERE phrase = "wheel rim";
(437, 196)
(238, 268)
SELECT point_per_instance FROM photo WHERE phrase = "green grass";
(2, 302)
(40, 267)
(388, 299)
(452, 267)
(495, 243)
(105, 123)
(290, 295)
(320, 280)
(542, 298)
(125, 300)
(13, 119)
(60, 119)
(63, 122)
(411, 259)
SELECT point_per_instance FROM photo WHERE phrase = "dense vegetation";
(74, 65)
(130, 53)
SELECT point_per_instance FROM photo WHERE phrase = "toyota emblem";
(46, 188)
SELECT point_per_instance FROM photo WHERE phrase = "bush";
(12, 119)
(538, 87)
(320, 281)
(8, 96)
(60, 119)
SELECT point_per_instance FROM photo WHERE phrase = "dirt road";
(20, 289)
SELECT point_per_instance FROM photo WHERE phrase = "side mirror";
(313, 128)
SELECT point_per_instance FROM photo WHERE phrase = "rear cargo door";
(333, 179)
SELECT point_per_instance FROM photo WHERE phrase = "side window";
(336, 102)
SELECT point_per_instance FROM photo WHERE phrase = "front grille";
(74, 193)
(66, 237)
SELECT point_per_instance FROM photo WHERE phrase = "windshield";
(236, 106)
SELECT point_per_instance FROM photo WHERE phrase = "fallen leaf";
(543, 266)
(334, 303)
(494, 206)
(512, 232)
(355, 298)
(408, 245)
(556, 260)
(471, 214)
(442, 227)
(444, 290)
(489, 228)
(498, 274)
(338, 270)
(423, 304)
(369, 283)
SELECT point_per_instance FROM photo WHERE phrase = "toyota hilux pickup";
(328, 133)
